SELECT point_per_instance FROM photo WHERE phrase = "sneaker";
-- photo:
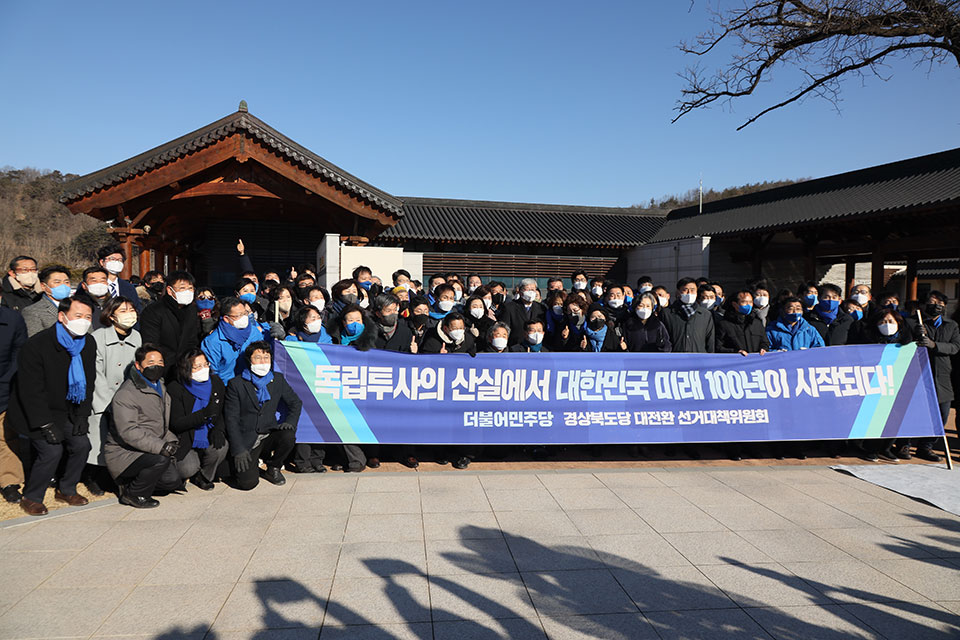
(926, 453)
(273, 476)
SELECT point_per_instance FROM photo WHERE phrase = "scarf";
(346, 339)
(201, 393)
(236, 337)
(552, 320)
(823, 310)
(595, 338)
(320, 337)
(535, 348)
(76, 380)
(688, 310)
(576, 328)
(263, 394)
(439, 315)
(153, 385)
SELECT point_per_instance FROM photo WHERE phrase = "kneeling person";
(253, 432)
(140, 449)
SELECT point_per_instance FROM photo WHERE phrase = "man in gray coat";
(43, 314)
(140, 447)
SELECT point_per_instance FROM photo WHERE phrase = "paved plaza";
(764, 552)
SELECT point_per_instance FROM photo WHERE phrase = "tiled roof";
(918, 182)
(205, 136)
(466, 221)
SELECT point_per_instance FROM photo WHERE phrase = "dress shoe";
(462, 463)
(352, 469)
(319, 468)
(302, 468)
(887, 455)
(139, 502)
(202, 482)
(11, 493)
(93, 487)
(74, 500)
(926, 453)
(273, 476)
(373, 463)
(411, 462)
(903, 453)
(32, 508)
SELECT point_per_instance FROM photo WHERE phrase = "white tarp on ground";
(933, 483)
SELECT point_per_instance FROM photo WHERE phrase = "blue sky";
(559, 102)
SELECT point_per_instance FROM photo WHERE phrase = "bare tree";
(827, 40)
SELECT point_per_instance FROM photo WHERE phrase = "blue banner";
(350, 396)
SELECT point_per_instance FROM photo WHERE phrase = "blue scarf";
(346, 338)
(574, 329)
(321, 337)
(236, 337)
(552, 320)
(938, 321)
(201, 392)
(263, 395)
(535, 347)
(595, 338)
(827, 310)
(76, 380)
(153, 385)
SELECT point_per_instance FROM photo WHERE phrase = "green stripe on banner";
(328, 404)
(875, 409)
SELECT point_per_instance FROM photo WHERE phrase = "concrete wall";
(667, 262)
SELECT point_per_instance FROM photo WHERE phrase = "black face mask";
(498, 299)
(302, 293)
(420, 321)
(934, 309)
(153, 373)
(404, 305)
(349, 298)
(157, 287)
(389, 320)
(597, 323)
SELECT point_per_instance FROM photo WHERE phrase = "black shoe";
(93, 487)
(139, 502)
(411, 462)
(903, 453)
(887, 455)
(336, 467)
(926, 453)
(871, 457)
(202, 482)
(302, 468)
(462, 463)
(273, 476)
(11, 493)
(319, 468)
(442, 461)
(373, 463)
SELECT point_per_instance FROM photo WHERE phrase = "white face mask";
(862, 299)
(113, 266)
(887, 328)
(364, 303)
(535, 338)
(472, 288)
(487, 302)
(318, 304)
(98, 289)
(284, 305)
(663, 301)
(201, 375)
(558, 309)
(645, 289)
(643, 313)
(529, 295)
(499, 343)
(457, 295)
(28, 280)
(615, 303)
(242, 322)
(688, 298)
(579, 285)
(476, 312)
(184, 297)
(597, 291)
(315, 326)
(445, 305)
(457, 335)
(709, 302)
(78, 326)
(761, 301)
(126, 319)
(260, 369)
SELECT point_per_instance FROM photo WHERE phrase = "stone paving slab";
(758, 552)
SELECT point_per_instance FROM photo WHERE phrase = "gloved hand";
(49, 434)
(169, 449)
(277, 332)
(242, 461)
(213, 408)
(925, 341)
(217, 438)
(82, 428)
(286, 426)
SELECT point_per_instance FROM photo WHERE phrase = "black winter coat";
(184, 421)
(39, 394)
(399, 341)
(175, 329)
(650, 337)
(245, 417)
(13, 335)
(689, 335)
(737, 332)
(947, 339)
(516, 315)
(18, 298)
(433, 343)
(838, 333)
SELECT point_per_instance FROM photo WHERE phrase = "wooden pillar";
(127, 257)
(810, 264)
(911, 292)
(876, 272)
(144, 259)
(158, 261)
(851, 276)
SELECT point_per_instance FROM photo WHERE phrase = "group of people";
(142, 385)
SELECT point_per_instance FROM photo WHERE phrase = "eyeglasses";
(26, 270)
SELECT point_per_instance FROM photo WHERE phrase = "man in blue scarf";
(51, 402)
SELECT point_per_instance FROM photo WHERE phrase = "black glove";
(242, 461)
(169, 449)
(286, 426)
(49, 434)
(925, 341)
(212, 409)
(82, 428)
(217, 438)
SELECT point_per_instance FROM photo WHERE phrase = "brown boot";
(32, 508)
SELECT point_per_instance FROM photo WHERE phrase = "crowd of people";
(139, 386)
